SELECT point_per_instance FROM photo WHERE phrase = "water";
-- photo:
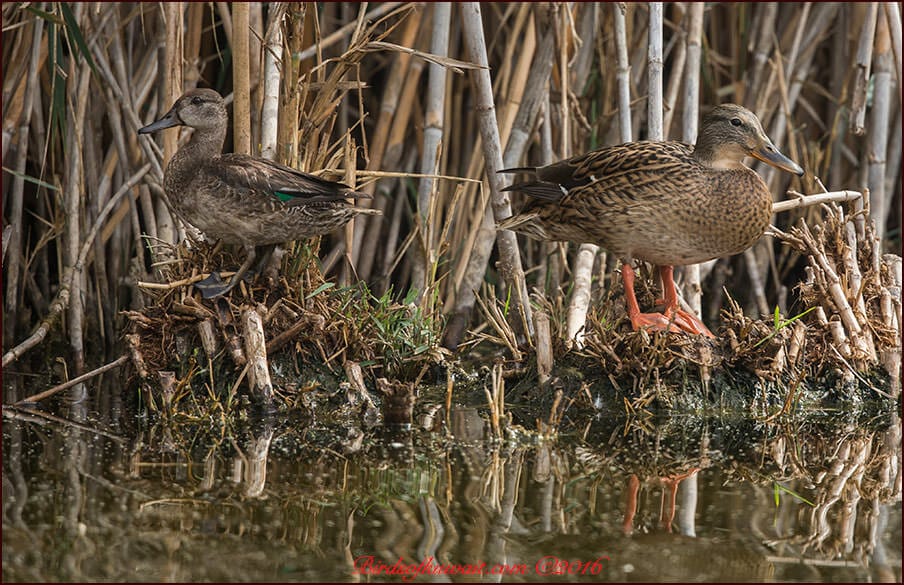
(92, 491)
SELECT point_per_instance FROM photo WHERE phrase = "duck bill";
(770, 155)
(167, 121)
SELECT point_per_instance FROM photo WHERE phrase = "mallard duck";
(241, 199)
(666, 203)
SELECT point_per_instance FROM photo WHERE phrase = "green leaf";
(58, 84)
(45, 15)
(30, 179)
(781, 325)
(76, 32)
(779, 487)
(320, 289)
(777, 317)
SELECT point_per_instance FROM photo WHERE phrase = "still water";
(92, 491)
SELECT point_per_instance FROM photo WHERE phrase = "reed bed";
(420, 105)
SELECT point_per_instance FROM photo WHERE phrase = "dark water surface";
(93, 492)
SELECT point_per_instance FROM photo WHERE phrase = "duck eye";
(735, 121)
(197, 102)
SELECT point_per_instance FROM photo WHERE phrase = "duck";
(240, 199)
(663, 202)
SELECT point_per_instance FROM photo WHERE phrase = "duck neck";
(722, 156)
(204, 143)
(705, 150)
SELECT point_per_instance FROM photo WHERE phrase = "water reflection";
(87, 496)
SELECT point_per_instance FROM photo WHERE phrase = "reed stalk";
(434, 120)
(273, 56)
(554, 74)
(510, 258)
(694, 273)
(241, 78)
(863, 66)
(878, 127)
(12, 251)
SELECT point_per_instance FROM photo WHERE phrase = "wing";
(278, 182)
(629, 170)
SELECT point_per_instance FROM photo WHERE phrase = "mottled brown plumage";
(665, 203)
(241, 199)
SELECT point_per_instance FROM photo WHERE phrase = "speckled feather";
(660, 202)
(241, 199)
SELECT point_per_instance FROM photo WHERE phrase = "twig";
(178, 283)
(60, 387)
(12, 412)
(807, 200)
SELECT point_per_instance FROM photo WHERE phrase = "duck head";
(729, 132)
(201, 109)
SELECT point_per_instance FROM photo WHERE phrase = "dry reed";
(336, 89)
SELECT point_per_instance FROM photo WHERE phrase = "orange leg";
(631, 505)
(674, 319)
(667, 501)
(685, 321)
(655, 321)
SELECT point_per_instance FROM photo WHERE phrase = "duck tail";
(531, 170)
(525, 223)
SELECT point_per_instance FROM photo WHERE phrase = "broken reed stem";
(65, 385)
(544, 347)
(815, 199)
(256, 354)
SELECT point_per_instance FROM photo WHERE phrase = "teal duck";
(666, 203)
(241, 199)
